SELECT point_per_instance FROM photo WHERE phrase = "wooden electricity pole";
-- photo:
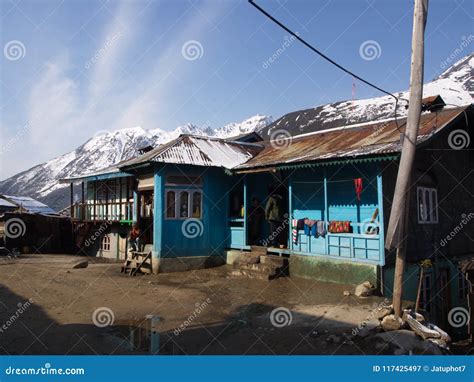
(397, 226)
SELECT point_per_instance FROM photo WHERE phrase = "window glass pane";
(184, 204)
(197, 205)
(170, 204)
(434, 200)
(428, 205)
(421, 211)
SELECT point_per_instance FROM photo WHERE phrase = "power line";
(315, 50)
(318, 52)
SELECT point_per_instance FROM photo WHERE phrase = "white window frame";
(105, 243)
(177, 197)
(429, 197)
(427, 293)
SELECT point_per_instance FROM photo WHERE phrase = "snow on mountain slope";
(101, 151)
(455, 85)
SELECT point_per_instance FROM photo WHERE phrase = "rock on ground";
(80, 264)
(406, 342)
(364, 290)
(391, 322)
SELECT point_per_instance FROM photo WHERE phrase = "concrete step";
(252, 274)
(258, 250)
(262, 268)
(278, 261)
(248, 258)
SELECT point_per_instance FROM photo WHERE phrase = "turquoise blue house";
(192, 198)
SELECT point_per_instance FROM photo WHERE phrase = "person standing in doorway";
(273, 214)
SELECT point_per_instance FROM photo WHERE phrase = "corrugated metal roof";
(28, 204)
(199, 151)
(375, 138)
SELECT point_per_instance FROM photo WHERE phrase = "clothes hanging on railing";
(316, 228)
(321, 228)
(336, 226)
(296, 225)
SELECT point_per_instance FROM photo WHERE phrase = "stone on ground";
(391, 322)
(364, 290)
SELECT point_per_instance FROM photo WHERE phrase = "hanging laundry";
(309, 222)
(310, 230)
(339, 226)
(294, 231)
(300, 224)
(358, 187)
(321, 228)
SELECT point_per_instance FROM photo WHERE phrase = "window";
(427, 200)
(105, 243)
(463, 286)
(426, 292)
(183, 204)
(170, 204)
(196, 205)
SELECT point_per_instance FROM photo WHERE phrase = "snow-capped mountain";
(455, 85)
(103, 150)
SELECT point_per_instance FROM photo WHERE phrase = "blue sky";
(88, 66)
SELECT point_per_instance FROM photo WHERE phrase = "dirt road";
(47, 307)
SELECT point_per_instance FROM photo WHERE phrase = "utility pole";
(398, 222)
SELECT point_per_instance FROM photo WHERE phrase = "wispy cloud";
(123, 83)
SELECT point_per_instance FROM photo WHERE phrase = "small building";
(29, 226)
(195, 196)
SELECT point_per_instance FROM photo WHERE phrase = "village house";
(29, 226)
(193, 201)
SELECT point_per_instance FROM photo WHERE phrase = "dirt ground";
(98, 310)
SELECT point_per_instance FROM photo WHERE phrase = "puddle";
(139, 335)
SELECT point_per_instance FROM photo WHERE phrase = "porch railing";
(103, 211)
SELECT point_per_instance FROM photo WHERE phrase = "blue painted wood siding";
(329, 194)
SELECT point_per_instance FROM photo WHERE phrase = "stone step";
(262, 268)
(258, 250)
(278, 261)
(248, 258)
(252, 274)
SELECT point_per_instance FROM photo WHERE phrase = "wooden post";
(397, 223)
(95, 199)
(72, 200)
(120, 199)
(83, 207)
